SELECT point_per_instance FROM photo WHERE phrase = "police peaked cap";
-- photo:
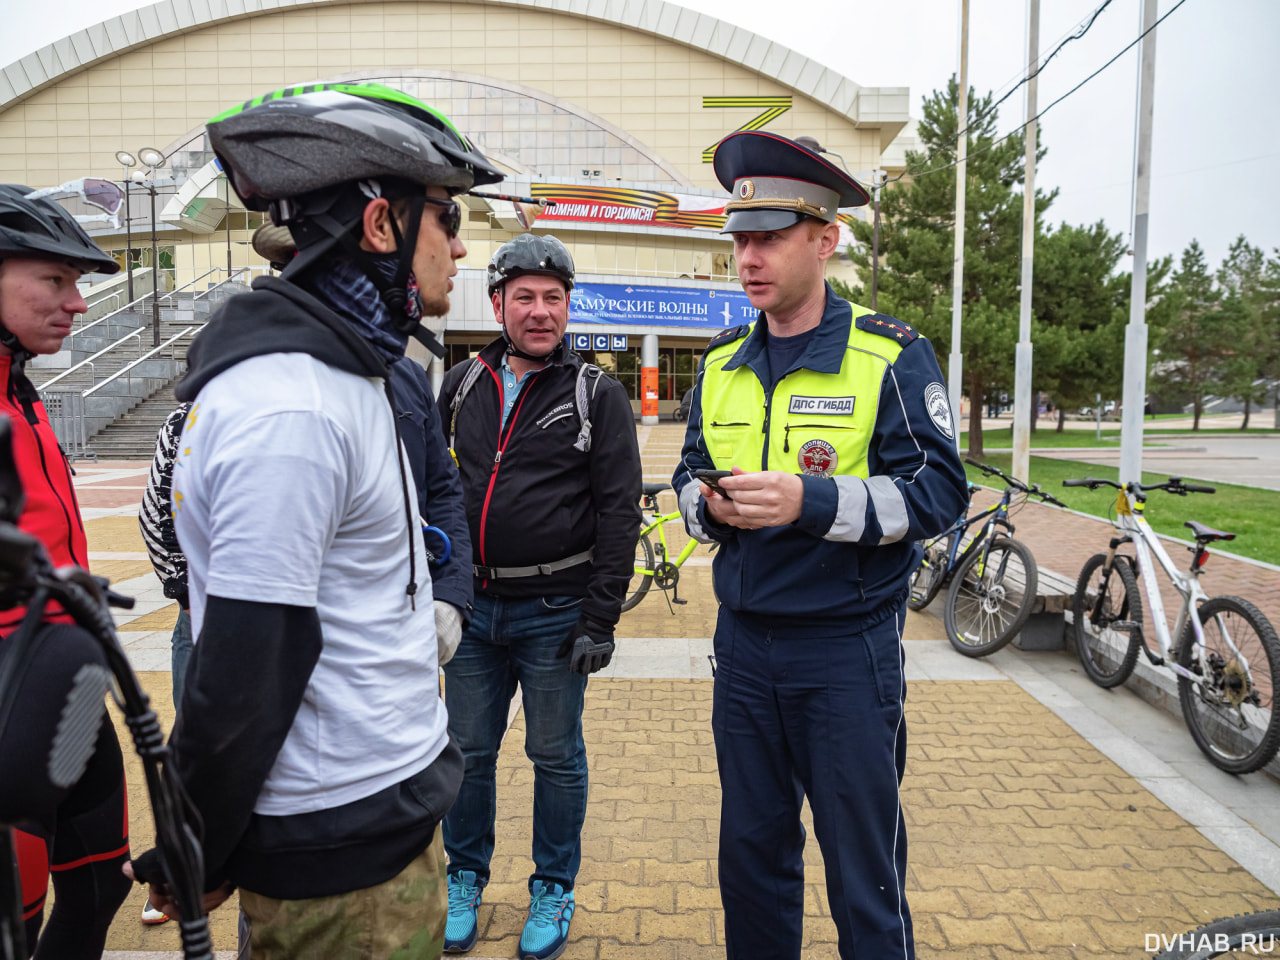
(775, 182)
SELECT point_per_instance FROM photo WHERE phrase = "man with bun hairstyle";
(551, 475)
(312, 738)
(832, 427)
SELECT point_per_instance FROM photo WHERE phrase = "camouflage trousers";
(402, 919)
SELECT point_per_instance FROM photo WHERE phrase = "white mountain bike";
(1226, 658)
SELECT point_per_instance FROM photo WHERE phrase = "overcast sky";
(1216, 147)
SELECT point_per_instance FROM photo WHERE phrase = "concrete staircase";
(133, 435)
(115, 400)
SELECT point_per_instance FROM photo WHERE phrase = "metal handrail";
(148, 296)
(146, 356)
(109, 347)
(133, 333)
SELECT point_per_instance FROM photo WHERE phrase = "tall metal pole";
(1135, 335)
(226, 200)
(875, 244)
(128, 238)
(1022, 398)
(955, 366)
(155, 272)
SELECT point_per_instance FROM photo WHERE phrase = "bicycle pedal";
(677, 600)
(1129, 625)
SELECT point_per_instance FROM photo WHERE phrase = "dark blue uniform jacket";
(798, 576)
(439, 485)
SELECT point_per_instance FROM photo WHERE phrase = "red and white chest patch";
(817, 458)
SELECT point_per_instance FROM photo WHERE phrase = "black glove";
(588, 646)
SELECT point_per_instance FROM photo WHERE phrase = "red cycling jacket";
(51, 513)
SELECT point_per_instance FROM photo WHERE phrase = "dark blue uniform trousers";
(800, 715)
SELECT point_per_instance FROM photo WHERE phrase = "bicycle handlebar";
(997, 472)
(1173, 485)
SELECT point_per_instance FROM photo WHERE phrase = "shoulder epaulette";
(884, 325)
(730, 335)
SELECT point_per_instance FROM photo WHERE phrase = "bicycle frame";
(1132, 524)
(659, 523)
(997, 513)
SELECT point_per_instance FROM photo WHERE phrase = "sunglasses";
(450, 215)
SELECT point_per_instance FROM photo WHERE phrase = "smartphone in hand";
(712, 479)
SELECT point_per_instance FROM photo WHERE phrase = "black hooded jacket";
(542, 500)
(252, 663)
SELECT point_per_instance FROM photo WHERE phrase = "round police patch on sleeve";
(939, 407)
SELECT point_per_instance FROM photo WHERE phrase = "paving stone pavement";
(1032, 822)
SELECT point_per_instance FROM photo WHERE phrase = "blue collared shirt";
(510, 389)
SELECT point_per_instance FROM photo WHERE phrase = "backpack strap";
(468, 381)
(588, 371)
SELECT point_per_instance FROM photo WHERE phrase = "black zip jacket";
(250, 669)
(532, 498)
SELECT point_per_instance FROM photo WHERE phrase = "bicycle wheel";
(1249, 934)
(640, 582)
(927, 578)
(1108, 655)
(990, 597)
(1231, 714)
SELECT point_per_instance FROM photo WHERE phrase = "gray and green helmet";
(529, 253)
(301, 140)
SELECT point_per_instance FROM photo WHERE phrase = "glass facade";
(512, 126)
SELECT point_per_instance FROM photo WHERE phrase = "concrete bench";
(1046, 628)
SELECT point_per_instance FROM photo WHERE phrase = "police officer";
(835, 424)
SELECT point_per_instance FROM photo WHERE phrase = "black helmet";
(294, 142)
(42, 230)
(315, 155)
(529, 253)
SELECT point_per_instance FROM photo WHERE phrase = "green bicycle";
(654, 564)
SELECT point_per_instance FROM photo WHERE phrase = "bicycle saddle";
(653, 489)
(1206, 534)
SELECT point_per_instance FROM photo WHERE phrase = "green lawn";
(1248, 512)
(1048, 438)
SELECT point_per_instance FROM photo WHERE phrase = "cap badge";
(746, 189)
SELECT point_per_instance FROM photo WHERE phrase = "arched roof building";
(610, 106)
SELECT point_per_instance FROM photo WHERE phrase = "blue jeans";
(182, 647)
(510, 642)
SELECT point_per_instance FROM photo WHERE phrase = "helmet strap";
(394, 292)
(21, 389)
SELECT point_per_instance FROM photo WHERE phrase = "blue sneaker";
(546, 932)
(461, 931)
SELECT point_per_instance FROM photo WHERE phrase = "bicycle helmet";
(527, 254)
(315, 155)
(42, 230)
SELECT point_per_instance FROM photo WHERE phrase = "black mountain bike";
(993, 578)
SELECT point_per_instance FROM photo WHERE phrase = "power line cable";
(1024, 124)
(1027, 77)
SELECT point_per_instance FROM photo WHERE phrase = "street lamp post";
(127, 161)
(152, 159)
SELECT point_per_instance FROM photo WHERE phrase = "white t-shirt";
(286, 490)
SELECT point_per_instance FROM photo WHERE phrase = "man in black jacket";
(551, 476)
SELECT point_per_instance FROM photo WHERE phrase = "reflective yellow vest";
(818, 424)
